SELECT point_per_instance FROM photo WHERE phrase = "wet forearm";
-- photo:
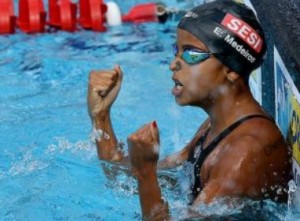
(152, 205)
(107, 143)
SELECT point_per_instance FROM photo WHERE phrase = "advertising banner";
(288, 110)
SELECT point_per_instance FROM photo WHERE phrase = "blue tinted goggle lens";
(192, 56)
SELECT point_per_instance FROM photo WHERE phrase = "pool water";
(49, 168)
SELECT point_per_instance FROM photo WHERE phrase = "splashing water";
(294, 200)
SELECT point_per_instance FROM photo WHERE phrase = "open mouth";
(177, 90)
(178, 84)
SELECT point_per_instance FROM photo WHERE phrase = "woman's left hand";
(144, 150)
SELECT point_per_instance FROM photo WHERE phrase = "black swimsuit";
(198, 156)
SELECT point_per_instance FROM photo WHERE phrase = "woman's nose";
(175, 65)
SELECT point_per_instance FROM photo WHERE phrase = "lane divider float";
(113, 14)
(93, 15)
(62, 15)
(32, 16)
(7, 17)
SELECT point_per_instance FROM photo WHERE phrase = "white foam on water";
(64, 145)
(27, 164)
(106, 136)
(293, 201)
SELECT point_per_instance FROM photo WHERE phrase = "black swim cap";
(231, 30)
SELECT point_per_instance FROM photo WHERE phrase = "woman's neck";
(229, 108)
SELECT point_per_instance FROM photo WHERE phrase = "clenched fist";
(144, 149)
(103, 90)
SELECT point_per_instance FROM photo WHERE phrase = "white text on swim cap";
(191, 14)
(244, 31)
(244, 52)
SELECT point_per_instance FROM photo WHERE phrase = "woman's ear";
(232, 76)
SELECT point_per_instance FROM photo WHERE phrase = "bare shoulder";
(257, 141)
(252, 161)
(254, 157)
(259, 138)
(259, 134)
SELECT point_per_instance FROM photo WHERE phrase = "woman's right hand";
(143, 149)
(103, 90)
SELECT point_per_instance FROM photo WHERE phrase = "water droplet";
(279, 191)
(106, 136)
(96, 134)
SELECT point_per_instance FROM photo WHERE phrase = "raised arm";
(103, 90)
(143, 153)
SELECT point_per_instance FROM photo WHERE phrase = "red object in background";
(7, 17)
(32, 16)
(92, 14)
(62, 14)
(142, 13)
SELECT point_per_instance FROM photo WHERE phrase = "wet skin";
(252, 161)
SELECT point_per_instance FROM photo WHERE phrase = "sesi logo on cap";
(244, 31)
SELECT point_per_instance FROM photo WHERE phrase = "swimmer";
(238, 151)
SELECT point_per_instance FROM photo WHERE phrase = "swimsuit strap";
(205, 152)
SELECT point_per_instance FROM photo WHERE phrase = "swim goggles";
(192, 55)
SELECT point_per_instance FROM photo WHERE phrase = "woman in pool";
(238, 151)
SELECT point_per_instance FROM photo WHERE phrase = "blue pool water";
(49, 168)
